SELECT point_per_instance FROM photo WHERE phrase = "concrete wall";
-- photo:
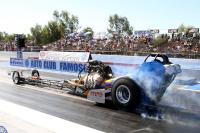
(7, 55)
(185, 63)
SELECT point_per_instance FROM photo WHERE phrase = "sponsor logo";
(42, 54)
(26, 63)
(16, 62)
(96, 94)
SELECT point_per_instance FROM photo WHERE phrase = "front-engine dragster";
(146, 86)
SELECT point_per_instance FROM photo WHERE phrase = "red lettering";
(96, 94)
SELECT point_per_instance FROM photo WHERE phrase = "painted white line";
(187, 88)
(16, 125)
(40, 119)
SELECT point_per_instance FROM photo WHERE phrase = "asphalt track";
(81, 111)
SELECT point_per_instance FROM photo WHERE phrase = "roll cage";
(161, 58)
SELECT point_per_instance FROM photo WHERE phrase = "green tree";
(160, 42)
(119, 25)
(64, 20)
(29, 37)
(56, 15)
(54, 30)
(46, 37)
(185, 29)
(62, 24)
(58, 18)
(7, 37)
(89, 31)
(1, 36)
(69, 23)
(37, 34)
(73, 24)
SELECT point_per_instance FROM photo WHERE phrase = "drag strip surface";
(83, 112)
(86, 113)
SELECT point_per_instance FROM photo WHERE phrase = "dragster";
(99, 84)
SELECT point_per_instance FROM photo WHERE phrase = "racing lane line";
(186, 88)
(183, 88)
(49, 122)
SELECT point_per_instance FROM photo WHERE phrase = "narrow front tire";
(16, 77)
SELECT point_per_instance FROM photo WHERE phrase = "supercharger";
(97, 72)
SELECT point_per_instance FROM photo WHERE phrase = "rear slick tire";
(125, 94)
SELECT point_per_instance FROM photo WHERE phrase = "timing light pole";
(20, 43)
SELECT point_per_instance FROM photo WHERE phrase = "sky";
(18, 16)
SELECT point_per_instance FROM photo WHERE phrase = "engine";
(97, 72)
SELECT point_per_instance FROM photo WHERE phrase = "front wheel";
(35, 74)
(125, 94)
(16, 77)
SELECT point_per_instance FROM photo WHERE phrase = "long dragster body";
(146, 86)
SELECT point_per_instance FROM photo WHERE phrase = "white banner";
(172, 30)
(142, 32)
(194, 30)
(155, 31)
(64, 56)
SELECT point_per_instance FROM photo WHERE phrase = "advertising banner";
(73, 67)
(65, 56)
(142, 32)
(155, 31)
(194, 30)
(172, 30)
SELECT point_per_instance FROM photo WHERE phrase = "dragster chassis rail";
(52, 83)
(19, 78)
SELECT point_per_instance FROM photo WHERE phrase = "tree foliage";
(37, 34)
(6, 37)
(62, 24)
(1, 36)
(160, 41)
(119, 25)
(88, 31)
(185, 29)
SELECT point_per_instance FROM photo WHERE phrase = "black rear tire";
(125, 94)
(16, 77)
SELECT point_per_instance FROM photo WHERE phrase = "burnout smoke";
(150, 77)
(181, 101)
(184, 92)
